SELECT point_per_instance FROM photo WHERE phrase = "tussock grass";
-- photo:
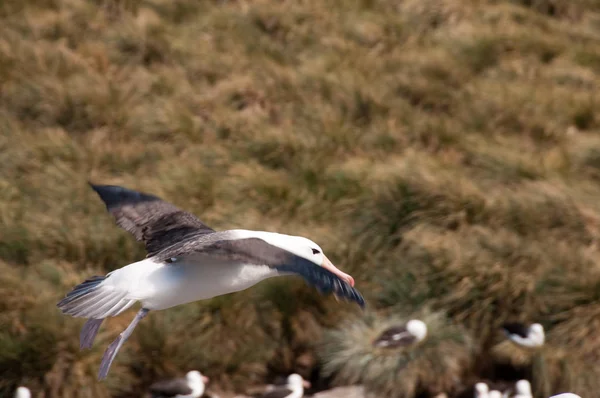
(435, 365)
(444, 153)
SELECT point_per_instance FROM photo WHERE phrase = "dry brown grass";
(445, 153)
(435, 365)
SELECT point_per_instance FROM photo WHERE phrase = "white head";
(536, 332)
(22, 392)
(566, 395)
(298, 245)
(481, 390)
(494, 394)
(197, 382)
(523, 387)
(297, 384)
(417, 328)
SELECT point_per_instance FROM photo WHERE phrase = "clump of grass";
(435, 365)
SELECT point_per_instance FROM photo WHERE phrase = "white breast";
(161, 285)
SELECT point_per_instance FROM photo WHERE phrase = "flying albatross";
(523, 335)
(192, 386)
(414, 331)
(188, 261)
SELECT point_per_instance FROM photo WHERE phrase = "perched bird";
(294, 388)
(22, 392)
(192, 386)
(521, 334)
(414, 331)
(522, 389)
(189, 261)
(481, 390)
(566, 395)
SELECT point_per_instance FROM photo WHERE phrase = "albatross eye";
(315, 251)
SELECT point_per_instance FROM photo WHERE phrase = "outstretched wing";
(149, 219)
(224, 246)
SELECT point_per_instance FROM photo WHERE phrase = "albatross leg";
(89, 332)
(113, 348)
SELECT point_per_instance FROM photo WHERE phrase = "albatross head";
(295, 382)
(22, 392)
(523, 388)
(536, 331)
(481, 390)
(307, 249)
(417, 328)
(197, 381)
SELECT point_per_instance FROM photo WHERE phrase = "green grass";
(444, 153)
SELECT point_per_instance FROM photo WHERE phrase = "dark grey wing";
(278, 392)
(148, 218)
(170, 388)
(256, 251)
(519, 329)
(394, 337)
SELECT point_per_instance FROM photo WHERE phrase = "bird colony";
(189, 261)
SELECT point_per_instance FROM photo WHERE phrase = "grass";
(444, 153)
(436, 365)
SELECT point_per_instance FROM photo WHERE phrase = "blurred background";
(446, 153)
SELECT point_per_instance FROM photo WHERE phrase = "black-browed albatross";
(414, 331)
(22, 392)
(192, 386)
(525, 335)
(293, 388)
(188, 261)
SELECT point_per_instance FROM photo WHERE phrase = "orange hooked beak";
(205, 379)
(330, 267)
(306, 383)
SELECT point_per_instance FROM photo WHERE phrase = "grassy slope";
(444, 153)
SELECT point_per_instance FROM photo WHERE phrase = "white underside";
(526, 341)
(163, 285)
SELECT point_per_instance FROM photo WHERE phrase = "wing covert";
(148, 218)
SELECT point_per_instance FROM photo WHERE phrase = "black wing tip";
(115, 195)
(349, 293)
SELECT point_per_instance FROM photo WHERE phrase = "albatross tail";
(93, 300)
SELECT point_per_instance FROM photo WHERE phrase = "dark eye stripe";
(315, 251)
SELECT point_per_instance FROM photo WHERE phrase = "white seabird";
(22, 392)
(481, 390)
(192, 386)
(528, 336)
(294, 388)
(189, 261)
(414, 331)
(522, 389)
